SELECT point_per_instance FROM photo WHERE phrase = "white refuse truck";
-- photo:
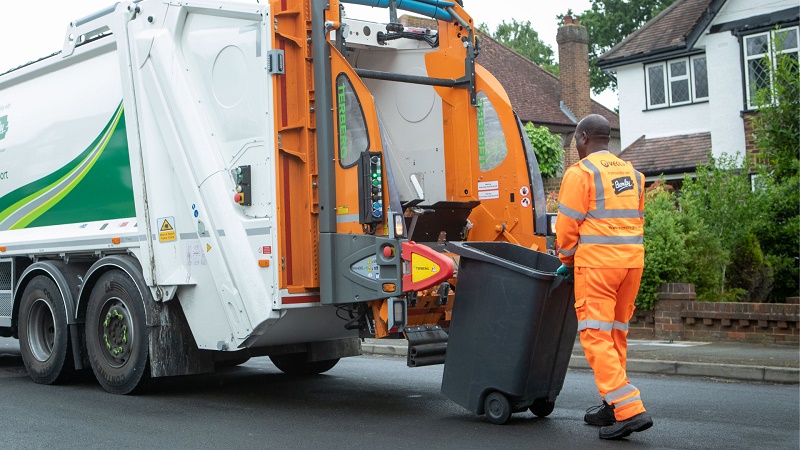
(189, 184)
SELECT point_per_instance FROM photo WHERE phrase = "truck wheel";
(296, 364)
(43, 335)
(116, 334)
(497, 408)
(542, 408)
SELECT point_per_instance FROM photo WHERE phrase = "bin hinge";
(275, 62)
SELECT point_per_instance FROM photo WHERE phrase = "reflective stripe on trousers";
(604, 305)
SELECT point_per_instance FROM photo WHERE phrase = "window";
(353, 137)
(677, 82)
(756, 58)
(492, 148)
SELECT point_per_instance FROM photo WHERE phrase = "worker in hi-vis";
(600, 240)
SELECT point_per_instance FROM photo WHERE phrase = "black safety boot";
(624, 428)
(600, 416)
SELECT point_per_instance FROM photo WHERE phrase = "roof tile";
(673, 154)
(666, 30)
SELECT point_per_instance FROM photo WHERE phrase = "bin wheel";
(497, 408)
(542, 408)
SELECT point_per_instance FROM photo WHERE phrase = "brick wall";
(678, 317)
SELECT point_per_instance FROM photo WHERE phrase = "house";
(686, 80)
(537, 95)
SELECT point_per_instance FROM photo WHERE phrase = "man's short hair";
(595, 125)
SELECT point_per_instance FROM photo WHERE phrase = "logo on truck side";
(341, 98)
(3, 127)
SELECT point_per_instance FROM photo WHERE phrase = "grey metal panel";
(6, 300)
(347, 286)
(6, 270)
(6, 287)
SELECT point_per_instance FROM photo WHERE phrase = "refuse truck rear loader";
(189, 184)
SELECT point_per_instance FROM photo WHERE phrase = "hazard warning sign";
(166, 229)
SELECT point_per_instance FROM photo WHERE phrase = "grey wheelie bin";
(512, 331)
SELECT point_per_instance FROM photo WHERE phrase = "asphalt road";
(372, 402)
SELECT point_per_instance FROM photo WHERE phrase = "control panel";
(370, 188)
(243, 190)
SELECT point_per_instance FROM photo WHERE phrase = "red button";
(388, 251)
(238, 198)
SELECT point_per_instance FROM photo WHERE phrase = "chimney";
(573, 61)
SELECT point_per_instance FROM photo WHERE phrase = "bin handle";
(558, 279)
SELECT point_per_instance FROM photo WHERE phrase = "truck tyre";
(542, 408)
(43, 335)
(296, 364)
(116, 334)
(497, 408)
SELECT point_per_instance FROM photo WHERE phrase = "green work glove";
(566, 271)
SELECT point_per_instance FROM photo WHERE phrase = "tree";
(548, 149)
(777, 131)
(523, 39)
(777, 124)
(611, 21)
(720, 201)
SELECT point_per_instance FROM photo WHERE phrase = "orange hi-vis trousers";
(604, 304)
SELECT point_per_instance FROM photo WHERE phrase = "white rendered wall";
(725, 92)
(742, 9)
(636, 121)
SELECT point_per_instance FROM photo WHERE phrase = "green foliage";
(665, 255)
(548, 149)
(611, 21)
(749, 271)
(777, 131)
(778, 231)
(706, 257)
(523, 39)
(720, 194)
(777, 124)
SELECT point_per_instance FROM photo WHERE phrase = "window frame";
(685, 77)
(749, 106)
(665, 86)
(695, 98)
(666, 71)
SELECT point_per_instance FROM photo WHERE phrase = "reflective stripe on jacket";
(601, 213)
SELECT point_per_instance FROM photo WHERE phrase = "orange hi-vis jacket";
(600, 220)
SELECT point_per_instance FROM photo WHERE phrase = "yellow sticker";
(166, 231)
(422, 268)
(342, 210)
(208, 248)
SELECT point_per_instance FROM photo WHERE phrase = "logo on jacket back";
(607, 163)
(622, 184)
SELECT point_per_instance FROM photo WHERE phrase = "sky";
(31, 29)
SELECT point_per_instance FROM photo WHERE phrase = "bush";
(749, 271)
(548, 149)
(706, 258)
(665, 255)
(778, 232)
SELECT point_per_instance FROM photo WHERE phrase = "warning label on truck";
(166, 229)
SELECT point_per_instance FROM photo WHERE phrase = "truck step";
(427, 345)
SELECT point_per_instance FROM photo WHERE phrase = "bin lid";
(465, 250)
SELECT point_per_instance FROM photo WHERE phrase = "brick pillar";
(672, 301)
(750, 148)
(573, 61)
